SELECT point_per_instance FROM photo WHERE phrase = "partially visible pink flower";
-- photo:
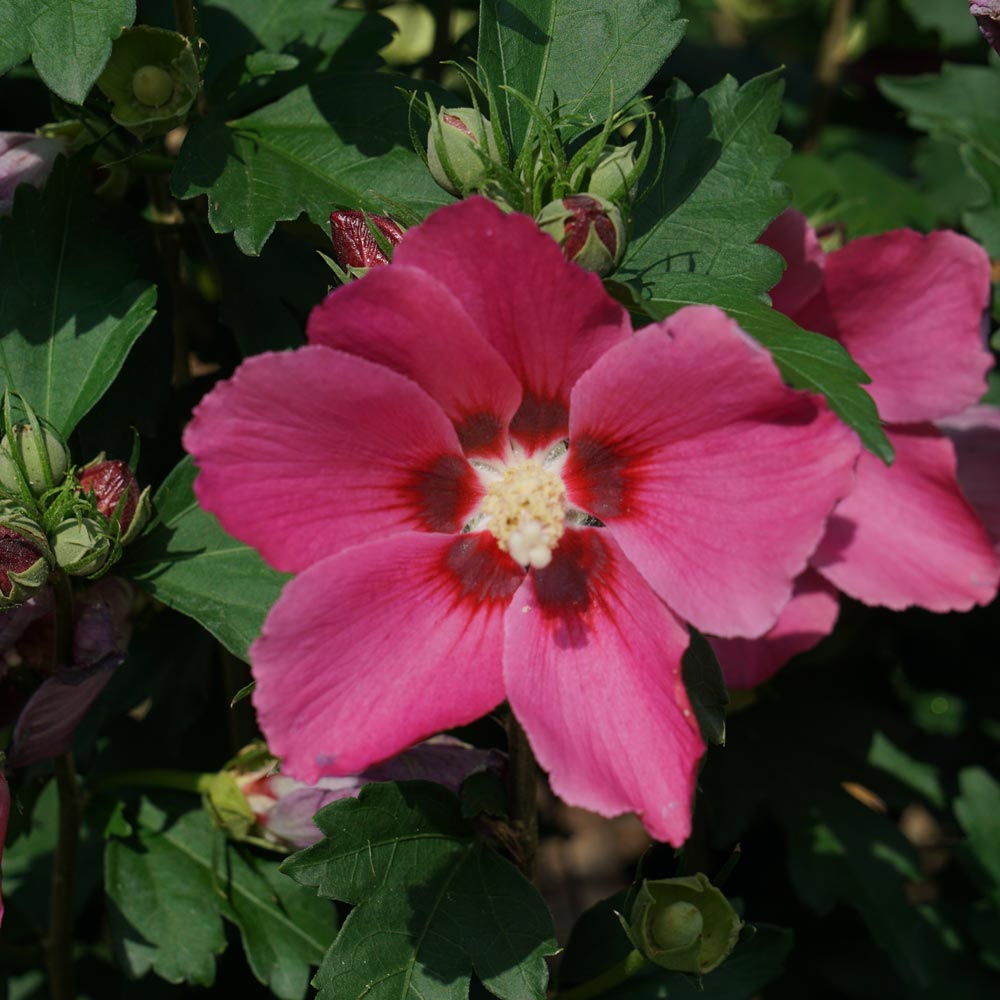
(987, 15)
(910, 310)
(491, 488)
(4, 817)
(284, 808)
(354, 247)
(25, 158)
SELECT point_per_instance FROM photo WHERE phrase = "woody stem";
(522, 796)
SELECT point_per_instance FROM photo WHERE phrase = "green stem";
(180, 781)
(615, 976)
(59, 944)
(522, 796)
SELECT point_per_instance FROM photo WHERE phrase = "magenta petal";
(407, 320)
(792, 236)
(376, 648)
(906, 535)
(592, 664)
(715, 478)
(549, 319)
(909, 308)
(804, 621)
(975, 433)
(304, 454)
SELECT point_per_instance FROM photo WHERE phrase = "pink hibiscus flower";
(910, 310)
(491, 488)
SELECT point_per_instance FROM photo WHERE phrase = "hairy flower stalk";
(527, 522)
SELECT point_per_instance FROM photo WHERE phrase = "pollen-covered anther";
(525, 510)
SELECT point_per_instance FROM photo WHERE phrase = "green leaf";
(159, 883)
(917, 775)
(717, 192)
(342, 142)
(977, 810)
(432, 905)
(174, 880)
(69, 309)
(856, 192)
(285, 928)
(68, 41)
(959, 106)
(706, 687)
(806, 360)
(591, 58)
(314, 32)
(951, 20)
(187, 561)
(265, 300)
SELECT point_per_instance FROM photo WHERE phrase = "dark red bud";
(108, 481)
(587, 214)
(353, 243)
(17, 555)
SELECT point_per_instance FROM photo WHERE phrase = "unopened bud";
(114, 488)
(613, 177)
(24, 569)
(81, 546)
(44, 459)
(987, 15)
(354, 247)
(453, 143)
(684, 924)
(589, 229)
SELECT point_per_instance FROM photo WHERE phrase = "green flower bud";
(613, 176)
(455, 137)
(589, 229)
(684, 924)
(44, 460)
(152, 79)
(81, 546)
(228, 806)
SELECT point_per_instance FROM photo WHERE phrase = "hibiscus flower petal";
(804, 621)
(975, 433)
(305, 453)
(549, 319)
(909, 308)
(792, 236)
(714, 477)
(592, 664)
(407, 320)
(373, 649)
(906, 535)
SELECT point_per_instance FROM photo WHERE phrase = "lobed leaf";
(432, 905)
(69, 41)
(187, 561)
(70, 310)
(341, 142)
(590, 58)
